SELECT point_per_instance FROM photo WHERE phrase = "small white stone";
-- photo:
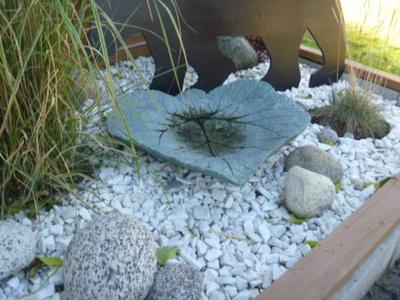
(68, 213)
(44, 292)
(264, 232)
(277, 271)
(241, 284)
(229, 202)
(201, 212)
(57, 229)
(304, 249)
(264, 192)
(231, 290)
(214, 264)
(63, 241)
(268, 206)
(274, 242)
(246, 295)
(213, 254)
(213, 241)
(298, 238)
(201, 248)
(48, 243)
(84, 213)
(226, 280)
(272, 259)
(210, 275)
(211, 286)
(191, 261)
(266, 280)
(27, 222)
(249, 230)
(218, 195)
(13, 283)
(217, 295)
(57, 277)
(239, 269)
(225, 271)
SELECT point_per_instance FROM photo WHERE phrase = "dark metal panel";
(280, 23)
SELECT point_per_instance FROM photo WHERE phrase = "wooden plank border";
(382, 78)
(321, 273)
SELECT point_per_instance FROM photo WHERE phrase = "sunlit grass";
(368, 49)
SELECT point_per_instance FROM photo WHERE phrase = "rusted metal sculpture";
(281, 23)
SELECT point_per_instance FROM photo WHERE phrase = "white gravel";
(239, 237)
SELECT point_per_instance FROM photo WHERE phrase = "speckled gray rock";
(261, 121)
(315, 160)
(328, 135)
(239, 50)
(17, 247)
(112, 257)
(177, 282)
(307, 194)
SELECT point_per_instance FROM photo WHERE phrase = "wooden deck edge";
(321, 273)
(382, 78)
(138, 47)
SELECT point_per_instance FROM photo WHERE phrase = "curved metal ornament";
(281, 24)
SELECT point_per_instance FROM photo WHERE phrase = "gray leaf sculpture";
(226, 133)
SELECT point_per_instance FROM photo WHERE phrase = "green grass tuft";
(367, 49)
(46, 71)
(352, 110)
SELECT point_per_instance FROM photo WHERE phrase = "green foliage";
(352, 110)
(381, 183)
(165, 254)
(40, 262)
(42, 83)
(297, 221)
(32, 208)
(368, 49)
(311, 243)
(46, 72)
(330, 143)
(339, 187)
(51, 261)
(47, 69)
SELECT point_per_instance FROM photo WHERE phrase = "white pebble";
(13, 283)
(213, 254)
(264, 232)
(84, 213)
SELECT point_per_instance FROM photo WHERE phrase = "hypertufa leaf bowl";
(226, 133)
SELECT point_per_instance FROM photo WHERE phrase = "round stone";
(328, 135)
(315, 160)
(307, 194)
(177, 282)
(17, 247)
(113, 257)
(239, 50)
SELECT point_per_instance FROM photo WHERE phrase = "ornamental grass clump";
(45, 68)
(353, 111)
